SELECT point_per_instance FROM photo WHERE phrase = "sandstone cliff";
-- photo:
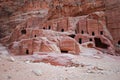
(83, 20)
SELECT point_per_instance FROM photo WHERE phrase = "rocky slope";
(89, 66)
(57, 40)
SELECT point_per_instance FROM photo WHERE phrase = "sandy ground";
(92, 67)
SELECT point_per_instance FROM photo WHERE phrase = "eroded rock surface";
(47, 25)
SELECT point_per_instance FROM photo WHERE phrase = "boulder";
(68, 44)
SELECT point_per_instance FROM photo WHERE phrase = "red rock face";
(44, 26)
(13, 12)
(92, 28)
(113, 19)
(31, 40)
(52, 36)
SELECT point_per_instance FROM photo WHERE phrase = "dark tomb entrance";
(118, 42)
(23, 31)
(62, 30)
(100, 44)
(64, 51)
(90, 39)
(93, 33)
(101, 32)
(80, 40)
(82, 32)
(72, 35)
(35, 35)
(27, 51)
(49, 27)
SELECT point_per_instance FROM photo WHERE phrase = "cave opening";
(119, 42)
(43, 27)
(93, 33)
(27, 51)
(63, 51)
(80, 40)
(82, 32)
(90, 39)
(100, 44)
(72, 35)
(49, 27)
(62, 30)
(23, 31)
(35, 35)
(101, 32)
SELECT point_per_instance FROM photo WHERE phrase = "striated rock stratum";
(59, 26)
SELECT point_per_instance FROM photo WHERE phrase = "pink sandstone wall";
(113, 18)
